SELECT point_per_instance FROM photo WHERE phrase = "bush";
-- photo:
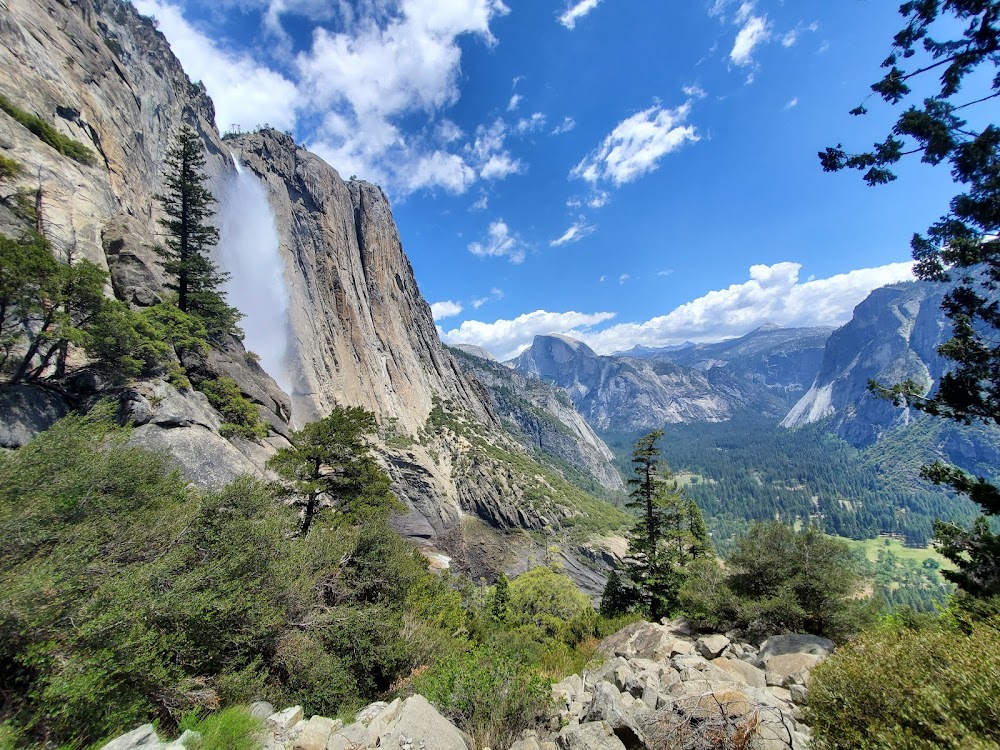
(779, 580)
(241, 414)
(488, 692)
(61, 143)
(897, 688)
(551, 602)
(9, 168)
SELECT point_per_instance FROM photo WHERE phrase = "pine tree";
(667, 534)
(618, 597)
(962, 247)
(190, 235)
(500, 601)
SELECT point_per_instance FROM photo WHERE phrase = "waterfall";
(248, 250)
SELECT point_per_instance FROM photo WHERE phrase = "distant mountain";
(783, 360)
(652, 352)
(475, 351)
(624, 394)
(542, 417)
(894, 335)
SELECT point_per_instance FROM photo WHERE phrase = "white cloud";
(577, 231)
(694, 92)
(448, 132)
(507, 338)
(446, 309)
(482, 204)
(667, 272)
(577, 11)
(381, 68)
(245, 93)
(487, 152)
(565, 126)
(515, 102)
(499, 243)
(772, 294)
(792, 103)
(755, 31)
(623, 278)
(599, 199)
(530, 124)
(494, 295)
(603, 279)
(636, 145)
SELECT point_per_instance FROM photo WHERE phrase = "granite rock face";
(621, 394)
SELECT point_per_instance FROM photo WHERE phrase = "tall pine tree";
(669, 533)
(190, 236)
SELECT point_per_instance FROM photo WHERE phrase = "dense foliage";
(751, 469)
(780, 580)
(963, 246)
(910, 686)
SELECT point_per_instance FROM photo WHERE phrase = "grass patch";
(232, 729)
(47, 133)
(871, 548)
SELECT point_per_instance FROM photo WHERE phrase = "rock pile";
(663, 686)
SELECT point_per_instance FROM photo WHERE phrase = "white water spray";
(248, 249)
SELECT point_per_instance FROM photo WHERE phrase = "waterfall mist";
(248, 250)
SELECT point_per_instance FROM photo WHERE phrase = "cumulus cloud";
(576, 232)
(623, 278)
(445, 309)
(577, 11)
(772, 294)
(694, 92)
(508, 338)
(500, 242)
(245, 93)
(636, 145)
(515, 102)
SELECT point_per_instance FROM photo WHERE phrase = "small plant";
(45, 132)
(9, 168)
(251, 357)
(241, 414)
(235, 728)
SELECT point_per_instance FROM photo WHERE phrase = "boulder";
(743, 672)
(795, 643)
(528, 742)
(725, 703)
(593, 736)
(143, 738)
(26, 411)
(348, 738)
(418, 723)
(608, 707)
(286, 719)
(790, 668)
(644, 640)
(711, 646)
(369, 712)
(261, 709)
(316, 733)
(187, 740)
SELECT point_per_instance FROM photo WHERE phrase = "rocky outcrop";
(620, 394)
(103, 75)
(541, 417)
(665, 686)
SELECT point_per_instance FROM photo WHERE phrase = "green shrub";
(241, 415)
(488, 692)
(550, 601)
(896, 688)
(235, 728)
(61, 143)
(9, 168)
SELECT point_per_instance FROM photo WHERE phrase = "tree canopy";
(958, 41)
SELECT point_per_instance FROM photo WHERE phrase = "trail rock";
(286, 719)
(711, 646)
(607, 707)
(723, 703)
(143, 738)
(420, 723)
(316, 733)
(743, 672)
(795, 643)
(348, 738)
(261, 709)
(593, 736)
(792, 668)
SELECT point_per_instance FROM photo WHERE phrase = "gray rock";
(26, 411)
(285, 719)
(722, 703)
(790, 668)
(369, 712)
(608, 707)
(711, 646)
(799, 693)
(204, 457)
(143, 738)
(186, 741)
(527, 743)
(418, 721)
(743, 672)
(348, 738)
(316, 733)
(795, 643)
(261, 709)
(594, 736)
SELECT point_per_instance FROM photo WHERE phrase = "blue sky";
(625, 171)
